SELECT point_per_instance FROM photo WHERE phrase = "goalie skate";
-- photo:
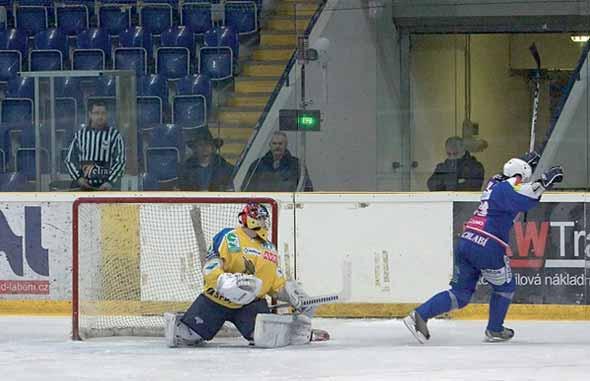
(504, 335)
(319, 335)
(417, 327)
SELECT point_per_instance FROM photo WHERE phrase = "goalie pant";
(206, 317)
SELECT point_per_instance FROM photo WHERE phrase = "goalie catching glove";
(239, 288)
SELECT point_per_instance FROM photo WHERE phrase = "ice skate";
(179, 334)
(417, 326)
(504, 335)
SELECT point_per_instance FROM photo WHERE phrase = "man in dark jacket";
(277, 171)
(459, 172)
(205, 169)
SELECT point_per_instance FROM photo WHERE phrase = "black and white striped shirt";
(97, 155)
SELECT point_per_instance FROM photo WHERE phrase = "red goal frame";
(147, 200)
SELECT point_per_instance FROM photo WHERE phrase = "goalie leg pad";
(274, 331)
(179, 334)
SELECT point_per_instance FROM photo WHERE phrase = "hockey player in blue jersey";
(482, 248)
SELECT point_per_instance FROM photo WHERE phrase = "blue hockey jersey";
(501, 202)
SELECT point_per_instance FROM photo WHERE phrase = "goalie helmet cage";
(134, 258)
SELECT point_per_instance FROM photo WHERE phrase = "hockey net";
(136, 258)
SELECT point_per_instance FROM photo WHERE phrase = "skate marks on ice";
(40, 349)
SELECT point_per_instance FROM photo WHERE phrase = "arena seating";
(180, 51)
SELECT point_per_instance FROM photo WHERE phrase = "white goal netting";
(137, 260)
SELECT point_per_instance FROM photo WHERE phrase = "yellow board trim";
(348, 310)
(35, 307)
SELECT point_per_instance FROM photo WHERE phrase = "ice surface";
(34, 348)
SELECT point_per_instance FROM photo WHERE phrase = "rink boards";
(399, 247)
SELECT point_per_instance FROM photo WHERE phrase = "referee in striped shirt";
(96, 156)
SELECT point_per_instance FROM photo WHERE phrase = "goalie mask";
(255, 217)
(514, 167)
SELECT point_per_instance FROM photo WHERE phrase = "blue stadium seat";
(31, 19)
(4, 147)
(223, 36)
(221, 50)
(173, 63)
(198, 84)
(25, 161)
(106, 86)
(216, 62)
(88, 59)
(14, 39)
(178, 36)
(16, 110)
(66, 120)
(131, 59)
(152, 85)
(68, 87)
(46, 42)
(13, 182)
(166, 135)
(21, 87)
(189, 111)
(45, 60)
(40, 3)
(95, 38)
(155, 18)
(10, 64)
(136, 37)
(149, 112)
(242, 16)
(90, 6)
(148, 181)
(163, 154)
(114, 18)
(196, 17)
(72, 19)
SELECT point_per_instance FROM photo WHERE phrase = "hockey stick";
(343, 295)
(536, 96)
(537, 58)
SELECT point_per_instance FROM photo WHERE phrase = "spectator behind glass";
(205, 169)
(459, 172)
(278, 170)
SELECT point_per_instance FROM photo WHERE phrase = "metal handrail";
(284, 78)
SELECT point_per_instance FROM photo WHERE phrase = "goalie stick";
(313, 301)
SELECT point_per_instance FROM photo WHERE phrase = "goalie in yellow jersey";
(240, 271)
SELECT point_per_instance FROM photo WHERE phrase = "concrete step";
(264, 68)
(249, 99)
(248, 84)
(272, 53)
(288, 23)
(245, 115)
(290, 8)
(281, 38)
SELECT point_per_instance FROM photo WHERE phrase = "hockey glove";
(294, 294)
(238, 288)
(532, 159)
(552, 176)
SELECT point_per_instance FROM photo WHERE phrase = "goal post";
(134, 258)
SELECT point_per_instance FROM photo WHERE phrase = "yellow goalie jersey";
(233, 251)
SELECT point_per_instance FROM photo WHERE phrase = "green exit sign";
(299, 120)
